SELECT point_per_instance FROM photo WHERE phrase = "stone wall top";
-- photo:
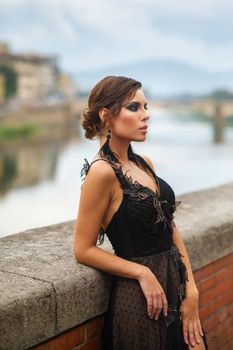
(44, 291)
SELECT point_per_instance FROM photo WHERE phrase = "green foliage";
(200, 116)
(222, 94)
(11, 80)
(229, 121)
(19, 131)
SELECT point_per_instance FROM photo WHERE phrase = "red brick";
(94, 327)
(229, 332)
(227, 346)
(94, 344)
(211, 322)
(212, 344)
(206, 310)
(223, 327)
(204, 272)
(76, 336)
(224, 274)
(213, 294)
(43, 346)
(223, 262)
(214, 266)
(68, 340)
(60, 342)
(217, 278)
(211, 335)
(205, 284)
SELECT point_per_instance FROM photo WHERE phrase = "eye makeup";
(133, 106)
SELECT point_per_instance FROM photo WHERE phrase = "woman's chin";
(140, 138)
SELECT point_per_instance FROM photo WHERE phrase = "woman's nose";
(146, 117)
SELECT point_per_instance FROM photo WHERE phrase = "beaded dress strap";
(123, 182)
(115, 166)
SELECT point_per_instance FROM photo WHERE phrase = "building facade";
(37, 76)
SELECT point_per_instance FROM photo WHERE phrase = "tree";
(222, 94)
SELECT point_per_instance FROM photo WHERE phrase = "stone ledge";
(205, 221)
(44, 291)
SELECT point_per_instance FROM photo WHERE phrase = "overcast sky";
(90, 34)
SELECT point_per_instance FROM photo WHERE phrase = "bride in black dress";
(153, 302)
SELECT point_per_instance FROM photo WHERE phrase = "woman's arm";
(192, 328)
(191, 288)
(95, 198)
(96, 194)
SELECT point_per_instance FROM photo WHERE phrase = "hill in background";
(162, 77)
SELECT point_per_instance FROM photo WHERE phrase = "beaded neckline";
(139, 185)
(136, 183)
(164, 209)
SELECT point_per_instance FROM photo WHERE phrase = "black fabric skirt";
(127, 325)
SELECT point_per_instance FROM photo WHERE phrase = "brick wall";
(215, 285)
(86, 336)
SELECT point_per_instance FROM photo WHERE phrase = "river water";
(181, 149)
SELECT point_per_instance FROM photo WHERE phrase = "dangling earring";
(105, 150)
(108, 135)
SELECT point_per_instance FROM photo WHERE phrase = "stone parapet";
(45, 292)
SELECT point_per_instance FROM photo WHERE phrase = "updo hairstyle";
(111, 92)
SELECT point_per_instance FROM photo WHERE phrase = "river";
(48, 189)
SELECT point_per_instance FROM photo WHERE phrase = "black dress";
(140, 231)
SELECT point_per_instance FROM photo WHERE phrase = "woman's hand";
(154, 293)
(190, 318)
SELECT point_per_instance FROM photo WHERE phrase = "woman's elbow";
(79, 256)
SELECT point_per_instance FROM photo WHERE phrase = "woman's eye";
(132, 107)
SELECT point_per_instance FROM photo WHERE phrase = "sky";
(87, 35)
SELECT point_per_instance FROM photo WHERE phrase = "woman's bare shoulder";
(100, 170)
(148, 160)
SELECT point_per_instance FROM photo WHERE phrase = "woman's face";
(132, 117)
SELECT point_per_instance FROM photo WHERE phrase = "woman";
(153, 302)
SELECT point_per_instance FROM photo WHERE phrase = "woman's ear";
(103, 113)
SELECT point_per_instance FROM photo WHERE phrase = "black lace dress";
(140, 231)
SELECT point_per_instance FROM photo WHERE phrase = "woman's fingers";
(150, 307)
(165, 304)
(185, 331)
(154, 293)
(191, 334)
(196, 333)
(200, 327)
(192, 329)
(158, 306)
(156, 303)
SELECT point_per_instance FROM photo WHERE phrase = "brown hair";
(111, 92)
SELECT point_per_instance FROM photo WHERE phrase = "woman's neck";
(118, 147)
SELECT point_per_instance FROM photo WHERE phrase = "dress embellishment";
(164, 210)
